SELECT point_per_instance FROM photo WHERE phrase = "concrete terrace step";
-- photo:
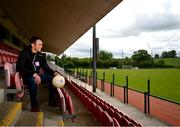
(30, 119)
(9, 113)
(53, 122)
(52, 116)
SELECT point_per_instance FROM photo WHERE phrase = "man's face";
(37, 46)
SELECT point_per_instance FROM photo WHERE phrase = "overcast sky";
(153, 25)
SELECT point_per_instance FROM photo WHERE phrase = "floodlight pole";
(94, 59)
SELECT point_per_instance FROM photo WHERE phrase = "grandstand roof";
(59, 22)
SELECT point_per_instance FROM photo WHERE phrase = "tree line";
(166, 54)
(140, 59)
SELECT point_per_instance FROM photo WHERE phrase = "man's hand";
(55, 73)
(37, 79)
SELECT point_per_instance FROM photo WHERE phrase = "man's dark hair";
(34, 39)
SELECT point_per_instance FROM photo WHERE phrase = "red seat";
(116, 123)
(98, 113)
(65, 94)
(93, 98)
(85, 98)
(102, 105)
(132, 121)
(106, 119)
(106, 108)
(98, 101)
(90, 104)
(125, 122)
(1, 61)
(4, 58)
(116, 110)
(70, 106)
(19, 85)
(118, 117)
(94, 108)
(61, 100)
(10, 73)
(13, 81)
(121, 119)
(8, 57)
(110, 111)
(63, 90)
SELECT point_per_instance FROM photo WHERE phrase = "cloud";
(156, 22)
(153, 25)
(82, 46)
(122, 54)
(147, 23)
(152, 16)
(78, 51)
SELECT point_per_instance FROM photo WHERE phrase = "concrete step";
(52, 116)
(9, 113)
(30, 119)
(54, 122)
